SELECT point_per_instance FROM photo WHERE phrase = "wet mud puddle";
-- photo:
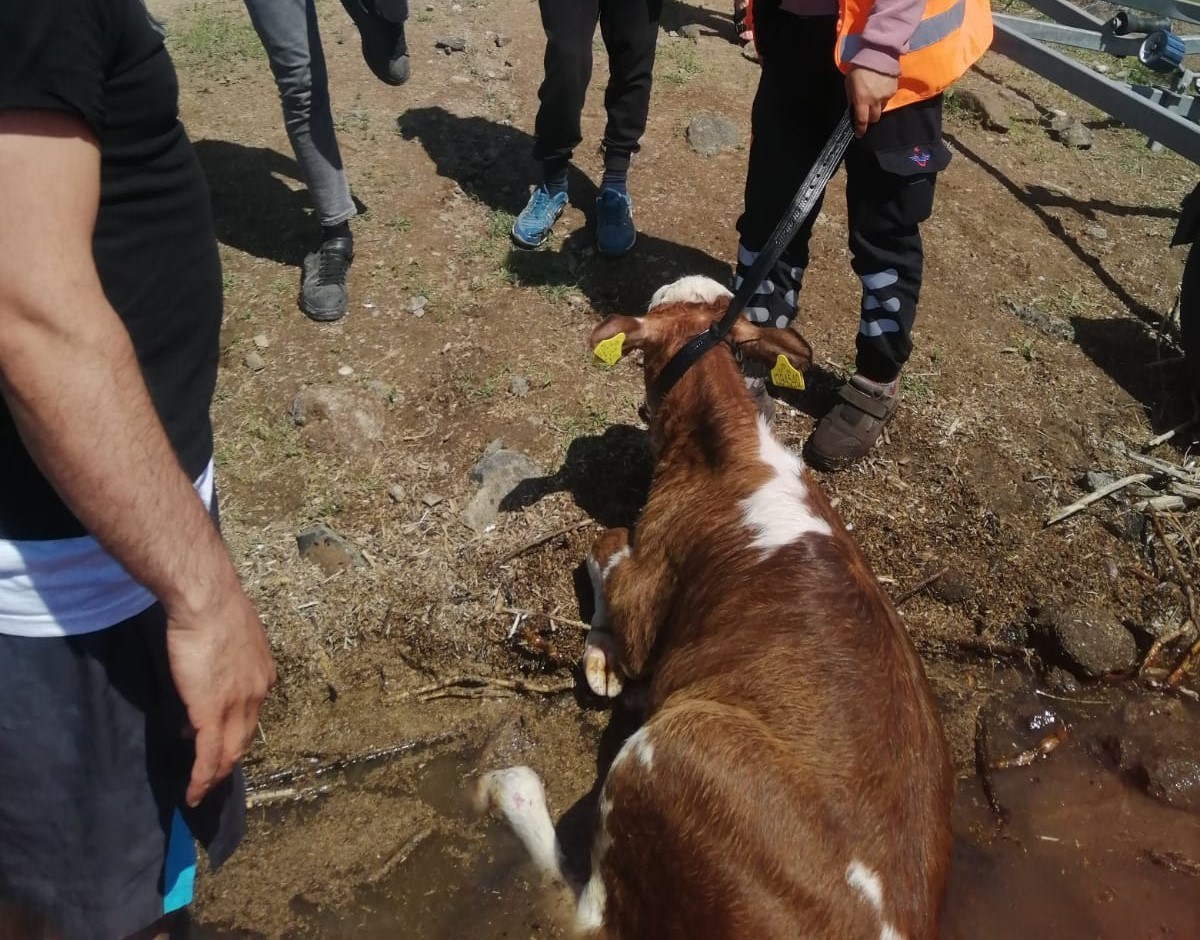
(1101, 839)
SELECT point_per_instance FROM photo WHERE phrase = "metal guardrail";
(1167, 116)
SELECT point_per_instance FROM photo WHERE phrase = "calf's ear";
(617, 335)
(784, 352)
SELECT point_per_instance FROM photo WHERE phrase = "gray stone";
(431, 499)
(416, 305)
(327, 549)
(1098, 232)
(262, 341)
(749, 52)
(498, 473)
(709, 134)
(1067, 130)
(1020, 108)
(337, 420)
(254, 362)
(986, 105)
(1095, 480)
(519, 386)
(502, 40)
(1089, 643)
(1042, 320)
(1061, 682)
(691, 31)
(451, 43)
(459, 80)
(1156, 748)
(1060, 121)
(381, 390)
(953, 588)
(1078, 136)
(396, 492)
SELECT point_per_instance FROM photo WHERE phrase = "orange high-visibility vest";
(951, 36)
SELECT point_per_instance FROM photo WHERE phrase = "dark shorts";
(94, 832)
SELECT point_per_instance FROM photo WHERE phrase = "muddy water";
(1085, 853)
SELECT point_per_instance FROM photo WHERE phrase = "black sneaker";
(323, 294)
(383, 45)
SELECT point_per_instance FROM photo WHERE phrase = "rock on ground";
(327, 549)
(338, 420)
(498, 473)
(709, 134)
(987, 105)
(1089, 643)
(1156, 748)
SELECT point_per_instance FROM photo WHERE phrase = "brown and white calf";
(791, 778)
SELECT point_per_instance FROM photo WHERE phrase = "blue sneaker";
(532, 227)
(615, 233)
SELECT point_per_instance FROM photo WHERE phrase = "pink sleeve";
(890, 26)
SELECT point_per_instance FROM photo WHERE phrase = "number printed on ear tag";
(785, 375)
(608, 350)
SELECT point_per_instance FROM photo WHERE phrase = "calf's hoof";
(600, 664)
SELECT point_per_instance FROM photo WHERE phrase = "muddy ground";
(1037, 351)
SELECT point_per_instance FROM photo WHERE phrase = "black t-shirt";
(154, 245)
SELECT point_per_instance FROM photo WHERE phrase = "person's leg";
(568, 25)
(891, 176)
(289, 33)
(380, 26)
(630, 32)
(95, 838)
(798, 102)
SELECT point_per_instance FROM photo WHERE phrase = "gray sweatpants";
(288, 30)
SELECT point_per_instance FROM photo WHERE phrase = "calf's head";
(681, 310)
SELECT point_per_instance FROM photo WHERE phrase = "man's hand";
(868, 93)
(222, 670)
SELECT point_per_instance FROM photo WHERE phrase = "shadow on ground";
(490, 161)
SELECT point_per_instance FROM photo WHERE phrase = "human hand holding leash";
(868, 93)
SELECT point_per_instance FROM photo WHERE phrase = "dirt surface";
(1036, 351)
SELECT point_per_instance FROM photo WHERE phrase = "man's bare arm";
(69, 376)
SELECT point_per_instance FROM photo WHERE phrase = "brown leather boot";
(854, 424)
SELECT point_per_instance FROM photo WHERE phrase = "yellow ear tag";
(785, 375)
(608, 350)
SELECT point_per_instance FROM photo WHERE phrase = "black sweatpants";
(890, 176)
(394, 11)
(630, 32)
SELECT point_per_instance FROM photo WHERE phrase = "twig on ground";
(1168, 469)
(543, 539)
(1046, 745)
(400, 856)
(918, 587)
(474, 686)
(284, 778)
(1190, 658)
(1157, 646)
(1185, 582)
(998, 650)
(553, 618)
(255, 798)
(1067, 511)
(1073, 701)
(1163, 438)
(1173, 861)
(983, 767)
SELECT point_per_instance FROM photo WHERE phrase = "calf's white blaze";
(693, 289)
(779, 512)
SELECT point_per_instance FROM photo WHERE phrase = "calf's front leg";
(600, 666)
(631, 593)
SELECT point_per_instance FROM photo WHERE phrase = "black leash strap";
(802, 205)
